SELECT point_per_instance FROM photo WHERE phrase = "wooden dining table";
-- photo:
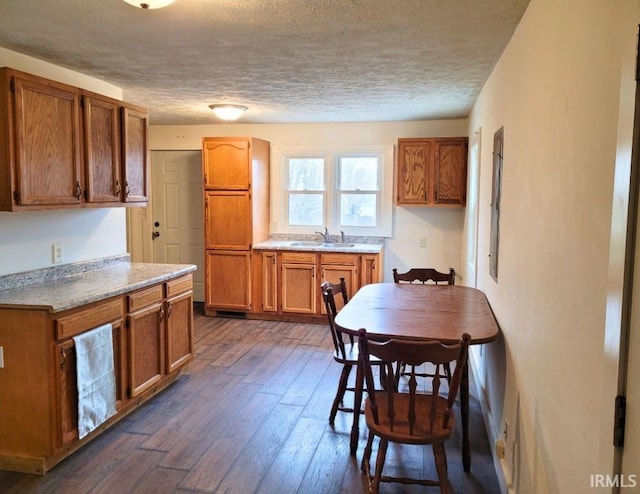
(421, 313)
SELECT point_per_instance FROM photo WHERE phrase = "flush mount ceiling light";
(150, 4)
(227, 111)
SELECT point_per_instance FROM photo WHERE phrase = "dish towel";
(96, 378)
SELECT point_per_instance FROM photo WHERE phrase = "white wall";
(556, 91)
(26, 238)
(441, 226)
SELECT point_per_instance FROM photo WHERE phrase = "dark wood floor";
(250, 417)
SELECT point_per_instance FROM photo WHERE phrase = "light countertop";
(68, 292)
(352, 248)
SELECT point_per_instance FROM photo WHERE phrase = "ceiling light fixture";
(228, 111)
(150, 4)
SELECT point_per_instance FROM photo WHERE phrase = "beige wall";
(441, 227)
(556, 90)
(26, 238)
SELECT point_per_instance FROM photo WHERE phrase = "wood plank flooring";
(250, 417)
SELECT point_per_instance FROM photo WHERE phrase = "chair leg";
(382, 454)
(342, 387)
(440, 457)
(365, 465)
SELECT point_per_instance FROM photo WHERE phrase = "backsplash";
(17, 280)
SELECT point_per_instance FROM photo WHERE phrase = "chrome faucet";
(341, 236)
(324, 235)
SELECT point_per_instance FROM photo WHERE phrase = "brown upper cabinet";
(64, 147)
(432, 171)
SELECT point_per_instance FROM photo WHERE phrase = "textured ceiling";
(287, 60)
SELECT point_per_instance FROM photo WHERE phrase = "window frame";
(339, 191)
(288, 191)
(331, 213)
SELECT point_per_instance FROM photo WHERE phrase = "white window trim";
(279, 184)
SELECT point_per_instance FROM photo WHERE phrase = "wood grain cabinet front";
(432, 171)
(334, 266)
(299, 282)
(288, 282)
(65, 147)
(145, 324)
(152, 334)
(236, 215)
(179, 323)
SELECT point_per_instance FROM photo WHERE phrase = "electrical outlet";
(57, 252)
(1, 357)
(423, 241)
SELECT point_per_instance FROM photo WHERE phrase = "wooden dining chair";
(344, 353)
(409, 417)
(425, 275)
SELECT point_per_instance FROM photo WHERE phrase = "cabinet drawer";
(179, 285)
(88, 318)
(344, 259)
(306, 257)
(145, 297)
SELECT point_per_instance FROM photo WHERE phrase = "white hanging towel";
(96, 378)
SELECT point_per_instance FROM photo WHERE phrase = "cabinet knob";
(126, 188)
(78, 190)
(117, 191)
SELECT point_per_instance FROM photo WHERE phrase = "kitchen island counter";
(57, 294)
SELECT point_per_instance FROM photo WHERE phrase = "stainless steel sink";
(337, 244)
(327, 245)
(306, 244)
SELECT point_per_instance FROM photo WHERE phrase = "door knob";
(155, 235)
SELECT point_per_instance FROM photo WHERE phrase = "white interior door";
(472, 211)
(178, 234)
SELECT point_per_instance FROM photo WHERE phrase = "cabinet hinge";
(16, 196)
(12, 85)
(619, 421)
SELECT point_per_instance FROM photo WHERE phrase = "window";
(342, 188)
(305, 191)
(358, 191)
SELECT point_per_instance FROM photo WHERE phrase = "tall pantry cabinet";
(236, 215)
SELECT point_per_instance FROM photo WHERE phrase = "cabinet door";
(67, 382)
(413, 164)
(228, 220)
(146, 348)
(102, 150)
(269, 282)
(369, 270)
(226, 163)
(67, 391)
(179, 322)
(299, 288)
(450, 172)
(229, 280)
(135, 154)
(48, 149)
(344, 266)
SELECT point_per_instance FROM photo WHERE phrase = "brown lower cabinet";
(152, 342)
(287, 282)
